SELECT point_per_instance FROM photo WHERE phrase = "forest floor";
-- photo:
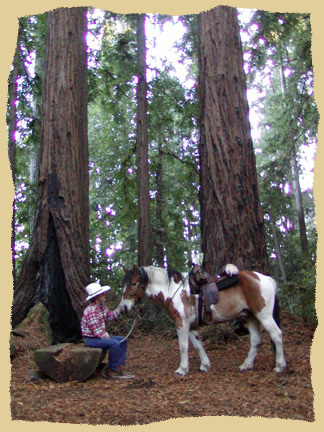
(157, 394)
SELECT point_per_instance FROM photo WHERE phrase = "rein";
(167, 304)
(143, 283)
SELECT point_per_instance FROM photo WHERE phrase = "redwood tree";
(143, 179)
(12, 143)
(56, 267)
(232, 226)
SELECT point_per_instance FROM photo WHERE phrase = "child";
(93, 328)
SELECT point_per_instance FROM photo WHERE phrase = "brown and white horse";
(253, 296)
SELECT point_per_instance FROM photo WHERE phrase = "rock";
(35, 375)
(37, 318)
(68, 362)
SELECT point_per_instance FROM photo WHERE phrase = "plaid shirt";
(93, 323)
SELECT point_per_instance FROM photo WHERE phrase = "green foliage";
(112, 130)
(172, 119)
(279, 64)
(31, 52)
(112, 141)
(298, 296)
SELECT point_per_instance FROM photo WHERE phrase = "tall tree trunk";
(277, 247)
(232, 225)
(159, 243)
(295, 174)
(299, 205)
(143, 180)
(34, 157)
(33, 180)
(57, 266)
(12, 150)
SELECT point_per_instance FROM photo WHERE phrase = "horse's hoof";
(204, 368)
(245, 369)
(180, 372)
(280, 367)
(280, 370)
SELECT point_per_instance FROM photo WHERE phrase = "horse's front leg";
(183, 339)
(196, 342)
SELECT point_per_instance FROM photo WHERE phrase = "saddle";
(209, 289)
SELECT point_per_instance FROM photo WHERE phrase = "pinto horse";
(253, 296)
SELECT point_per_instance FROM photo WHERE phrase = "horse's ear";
(135, 269)
(125, 269)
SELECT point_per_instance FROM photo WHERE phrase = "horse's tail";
(276, 317)
(276, 308)
(276, 311)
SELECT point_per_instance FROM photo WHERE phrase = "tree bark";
(143, 180)
(160, 233)
(232, 225)
(57, 265)
(278, 249)
(12, 150)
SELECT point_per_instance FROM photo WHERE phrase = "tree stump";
(68, 362)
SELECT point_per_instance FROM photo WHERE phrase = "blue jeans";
(117, 350)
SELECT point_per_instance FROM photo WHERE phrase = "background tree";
(56, 266)
(279, 64)
(232, 228)
(28, 66)
(112, 148)
(173, 155)
(12, 114)
(142, 162)
(283, 43)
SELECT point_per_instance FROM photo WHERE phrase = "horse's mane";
(175, 275)
(171, 274)
(128, 276)
(146, 273)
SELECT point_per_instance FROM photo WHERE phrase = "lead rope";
(103, 372)
(131, 330)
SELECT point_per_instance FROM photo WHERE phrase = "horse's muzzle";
(126, 306)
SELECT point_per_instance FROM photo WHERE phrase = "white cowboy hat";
(95, 289)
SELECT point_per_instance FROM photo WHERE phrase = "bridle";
(142, 286)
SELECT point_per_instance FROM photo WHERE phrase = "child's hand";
(118, 310)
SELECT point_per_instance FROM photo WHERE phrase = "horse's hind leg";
(255, 339)
(275, 333)
(198, 345)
